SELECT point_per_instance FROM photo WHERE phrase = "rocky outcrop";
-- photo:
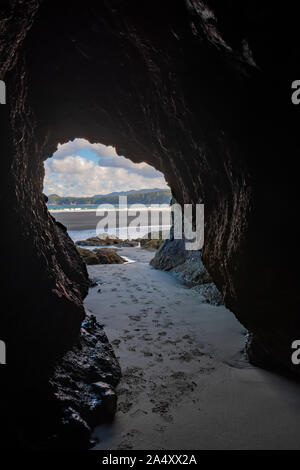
(153, 240)
(198, 89)
(172, 256)
(187, 265)
(60, 411)
(100, 240)
(83, 386)
(88, 256)
(107, 240)
(151, 244)
(100, 256)
(108, 256)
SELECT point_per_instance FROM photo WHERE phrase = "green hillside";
(162, 196)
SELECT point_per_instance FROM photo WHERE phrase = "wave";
(123, 233)
(108, 209)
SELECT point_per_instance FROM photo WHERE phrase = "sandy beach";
(85, 220)
(185, 381)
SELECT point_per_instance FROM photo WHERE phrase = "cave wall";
(201, 91)
(43, 280)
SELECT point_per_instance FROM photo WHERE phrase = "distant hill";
(143, 196)
(132, 191)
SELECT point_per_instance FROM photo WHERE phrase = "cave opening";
(84, 180)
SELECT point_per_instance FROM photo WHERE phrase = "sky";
(79, 168)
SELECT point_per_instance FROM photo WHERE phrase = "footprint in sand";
(159, 428)
(127, 439)
(128, 338)
(135, 317)
(147, 353)
(138, 412)
(158, 357)
(124, 406)
(147, 337)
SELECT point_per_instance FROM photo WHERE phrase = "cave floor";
(185, 384)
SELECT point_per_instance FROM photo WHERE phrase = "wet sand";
(86, 220)
(185, 384)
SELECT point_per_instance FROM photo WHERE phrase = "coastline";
(110, 209)
(88, 220)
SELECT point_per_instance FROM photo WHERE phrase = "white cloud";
(70, 165)
(68, 174)
(107, 156)
(71, 147)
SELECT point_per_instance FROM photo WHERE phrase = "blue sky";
(79, 168)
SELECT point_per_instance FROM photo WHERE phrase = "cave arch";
(173, 85)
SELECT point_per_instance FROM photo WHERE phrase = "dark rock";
(59, 413)
(100, 240)
(151, 244)
(92, 283)
(107, 240)
(153, 240)
(74, 432)
(88, 256)
(83, 382)
(187, 265)
(209, 293)
(129, 243)
(109, 399)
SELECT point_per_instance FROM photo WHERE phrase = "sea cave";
(190, 87)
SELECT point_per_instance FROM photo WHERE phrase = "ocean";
(124, 233)
(81, 221)
(87, 207)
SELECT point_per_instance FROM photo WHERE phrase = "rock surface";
(60, 413)
(83, 381)
(100, 256)
(106, 240)
(88, 256)
(153, 240)
(108, 256)
(188, 266)
(100, 241)
(151, 244)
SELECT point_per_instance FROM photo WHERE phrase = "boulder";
(107, 256)
(153, 240)
(101, 240)
(88, 256)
